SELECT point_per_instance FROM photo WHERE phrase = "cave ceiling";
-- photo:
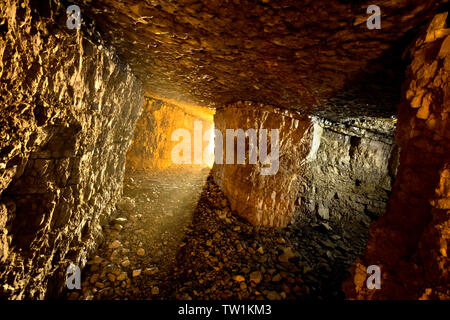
(309, 55)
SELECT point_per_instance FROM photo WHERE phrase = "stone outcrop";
(305, 55)
(339, 171)
(152, 145)
(410, 242)
(349, 171)
(269, 199)
(68, 109)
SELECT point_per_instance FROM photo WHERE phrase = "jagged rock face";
(263, 199)
(338, 172)
(68, 111)
(349, 171)
(410, 242)
(153, 145)
(315, 55)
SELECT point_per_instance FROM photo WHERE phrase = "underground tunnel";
(224, 150)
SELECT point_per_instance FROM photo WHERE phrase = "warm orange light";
(209, 155)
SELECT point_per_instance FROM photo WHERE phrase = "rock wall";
(349, 172)
(410, 242)
(340, 172)
(68, 110)
(267, 200)
(152, 145)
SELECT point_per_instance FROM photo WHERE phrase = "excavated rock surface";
(68, 111)
(410, 242)
(310, 55)
(152, 144)
(263, 199)
(340, 171)
(349, 171)
(137, 257)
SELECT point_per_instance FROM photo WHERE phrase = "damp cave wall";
(68, 109)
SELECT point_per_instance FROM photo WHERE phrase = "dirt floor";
(176, 238)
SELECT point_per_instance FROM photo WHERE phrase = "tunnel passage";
(156, 137)
(86, 180)
(183, 232)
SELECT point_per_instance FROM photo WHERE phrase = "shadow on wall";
(66, 123)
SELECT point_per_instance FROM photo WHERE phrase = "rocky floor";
(176, 240)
